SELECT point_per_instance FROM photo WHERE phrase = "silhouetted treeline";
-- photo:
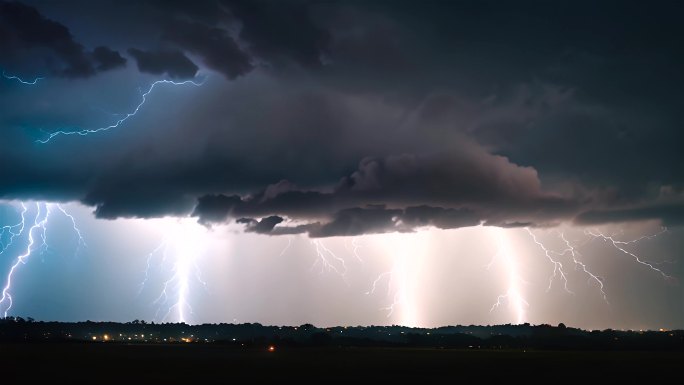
(523, 336)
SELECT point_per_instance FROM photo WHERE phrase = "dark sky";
(347, 118)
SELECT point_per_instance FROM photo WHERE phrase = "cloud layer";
(350, 118)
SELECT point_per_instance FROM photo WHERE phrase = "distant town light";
(271, 348)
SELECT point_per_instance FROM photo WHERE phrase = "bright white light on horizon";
(407, 252)
(184, 242)
(507, 256)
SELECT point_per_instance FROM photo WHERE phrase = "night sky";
(343, 162)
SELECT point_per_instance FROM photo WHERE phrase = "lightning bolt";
(84, 132)
(572, 251)
(620, 245)
(179, 250)
(328, 260)
(20, 80)
(12, 231)
(287, 247)
(378, 280)
(406, 252)
(557, 266)
(513, 295)
(77, 231)
(37, 229)
(398, 294)
(574, 254)
(355, 248)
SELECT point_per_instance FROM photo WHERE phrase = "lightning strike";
(557, 266)
(619, 245)
(377, 281)
(14, 231)
(397, 298)
(513, 294)
(328, 261)
(575, 254)
(180, 249)
(84, 132)
(36, 242)
(287, 247)
(22, 81)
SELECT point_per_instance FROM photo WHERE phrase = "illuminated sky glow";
(342, 163)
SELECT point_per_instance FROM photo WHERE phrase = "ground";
(190, 363)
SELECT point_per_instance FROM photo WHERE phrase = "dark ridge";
(525, 336)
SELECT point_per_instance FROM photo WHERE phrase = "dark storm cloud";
(372, 219)
(463, 188)
(343, 118)
(669, 214)
(172, 63)
(281, 30)
(23, 28)
(262, 226)
(218, 50)
(107, 59)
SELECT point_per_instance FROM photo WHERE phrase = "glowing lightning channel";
(377, 281)
(396, 299)
(22, 81)
(574, 254)
(513, 295)
(620, 246)
(12, 230)
(355, 248)
(40, 222)
(287, 247)
(84, 132)
(182, 246)
(557, 266)
(326, 260)
(81, 241)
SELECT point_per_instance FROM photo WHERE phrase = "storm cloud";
(27, 38)
(173, 64)
(346, 118)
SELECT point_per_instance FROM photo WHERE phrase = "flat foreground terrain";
(107, 362)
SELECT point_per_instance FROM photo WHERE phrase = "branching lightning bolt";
(37, 229)
(328, 261)
(572, 251)
(84, 132)
(619, 245)
(179, 248)
(574, 254)
(557, 266)
(355, 246)
(396, 299)
(378, 280)
(14, 231)
(20, 80)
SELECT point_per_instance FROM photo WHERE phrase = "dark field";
(106, 362)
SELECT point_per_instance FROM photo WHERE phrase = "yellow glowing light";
(94, 338)
(271, 348)
(106, 337)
